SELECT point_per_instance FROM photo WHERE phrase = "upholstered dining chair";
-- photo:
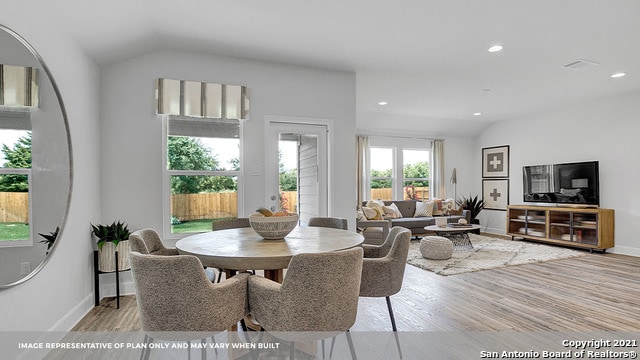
(312, 303)
(177, 302)
(329, 222)
(378, 251)
(382, 276)
(233, 223)
(147, 241)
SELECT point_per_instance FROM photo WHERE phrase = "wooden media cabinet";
(587, 228)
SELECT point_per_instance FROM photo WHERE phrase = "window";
(202, 151)
(15, 173)
(399, 168)
(203, 172)
(381, 174)
(415, 174)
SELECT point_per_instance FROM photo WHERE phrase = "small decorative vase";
(107, 256)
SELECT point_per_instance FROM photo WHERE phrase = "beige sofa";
(375, 231)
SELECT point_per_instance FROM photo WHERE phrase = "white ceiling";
(427, 58)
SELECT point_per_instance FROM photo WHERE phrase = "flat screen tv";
(571, 183)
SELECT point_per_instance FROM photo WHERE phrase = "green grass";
(192, 226)
(14, 231)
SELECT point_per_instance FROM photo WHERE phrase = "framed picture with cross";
(495, 193)
(495, 162)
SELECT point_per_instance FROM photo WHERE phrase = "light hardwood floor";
(594, 292)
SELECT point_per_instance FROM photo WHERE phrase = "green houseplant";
(473, 204)
(50, 238)
(111, 238)
(113, 233)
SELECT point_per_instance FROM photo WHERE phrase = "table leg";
(461, 241)
(276, 275)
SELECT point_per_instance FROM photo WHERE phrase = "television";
(571, 183)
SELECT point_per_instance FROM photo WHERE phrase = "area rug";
(490, 253)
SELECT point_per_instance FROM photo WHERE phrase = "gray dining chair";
(329, 222)
(177, 302)
(382, 276)
(147, 241)
(233, 223)
(312, 303)
(377, 251)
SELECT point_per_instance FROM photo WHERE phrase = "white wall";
(604, 129)
(57, 297)
(132, 134)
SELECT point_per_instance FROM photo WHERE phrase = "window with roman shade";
(203, 142)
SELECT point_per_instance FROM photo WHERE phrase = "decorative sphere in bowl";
(462, 221)
(273, 227)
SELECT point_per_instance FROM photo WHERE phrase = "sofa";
(375, 230)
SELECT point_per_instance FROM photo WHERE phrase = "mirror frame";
(45, 68)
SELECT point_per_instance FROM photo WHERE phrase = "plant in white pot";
(111, 238)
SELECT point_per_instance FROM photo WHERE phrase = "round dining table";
(243, 249)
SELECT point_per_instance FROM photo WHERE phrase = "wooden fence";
(187, 207)
(204, 206)
(387, 194)
(14, 207)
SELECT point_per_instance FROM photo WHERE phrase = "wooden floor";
(594, 292)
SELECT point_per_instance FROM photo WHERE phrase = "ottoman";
(436, 247)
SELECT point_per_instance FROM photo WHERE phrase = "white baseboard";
(70, 319)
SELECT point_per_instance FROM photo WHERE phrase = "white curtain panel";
(362, 168)
(437, 183)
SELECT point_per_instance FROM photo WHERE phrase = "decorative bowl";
(273, 227)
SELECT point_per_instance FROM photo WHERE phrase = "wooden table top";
(243, 248)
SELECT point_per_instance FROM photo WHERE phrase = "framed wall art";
(495, 194)
(495, 162)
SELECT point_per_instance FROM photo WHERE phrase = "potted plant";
(50, 238)
(111, 238)
(474, 205)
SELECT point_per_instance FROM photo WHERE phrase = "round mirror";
(35, 161)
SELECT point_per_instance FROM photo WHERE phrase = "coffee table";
(459, 235)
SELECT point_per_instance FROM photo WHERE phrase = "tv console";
(586, 228)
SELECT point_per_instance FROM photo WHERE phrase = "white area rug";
(490, 253)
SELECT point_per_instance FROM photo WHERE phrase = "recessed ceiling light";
(495, 48)
(618, 75)
(477, 113)
(382, 103)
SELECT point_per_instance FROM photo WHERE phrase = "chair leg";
(145, 350)
(351, 348)
(333, 342)
(393, 325)
(393, 320)
(213, 341)
(292, 349)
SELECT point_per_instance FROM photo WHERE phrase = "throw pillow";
(376, 204)
(392, 211)
(371, 214)
(423, 208)
(447, 206)
(437, 207)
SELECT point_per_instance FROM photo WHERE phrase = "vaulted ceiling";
(427, 59)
